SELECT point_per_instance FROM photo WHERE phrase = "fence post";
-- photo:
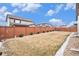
(25, 30)
(14, 32)
(5, 32)
(35, 30)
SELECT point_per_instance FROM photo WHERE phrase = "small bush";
(50, 31)
(37, 32)
(47, 31)
(0, 53)
(21, 35)
(31, 33)
(43, 31)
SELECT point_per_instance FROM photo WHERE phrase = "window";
(11, 20)
(27, 23)
(17, 21)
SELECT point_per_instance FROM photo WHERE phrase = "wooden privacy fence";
(10, 32)
(72, 29)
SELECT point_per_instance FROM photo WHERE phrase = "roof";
(18, 18)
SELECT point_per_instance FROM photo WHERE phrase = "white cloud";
(56, 22)
(19, 5)
(50, 12)
(70, 6)
(15, 11)
(71, 23)
(31, 7)
(3, 13)
(7, 13)
(2, 18)
(3, 10)
(59, 7)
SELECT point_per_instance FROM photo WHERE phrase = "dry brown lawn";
(44, 44)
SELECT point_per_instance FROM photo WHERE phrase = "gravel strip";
(0, 44)
(60, 52)
(73, 43)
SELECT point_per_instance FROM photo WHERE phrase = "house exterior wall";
(12, 20)
(25, 22)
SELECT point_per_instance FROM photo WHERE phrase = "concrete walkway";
(0, 44)
(60, 52)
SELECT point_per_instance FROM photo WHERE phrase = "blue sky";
(53, 13)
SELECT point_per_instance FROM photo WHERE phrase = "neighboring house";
(32, 25)
(17, 21)
(44, 25)
(64, 26)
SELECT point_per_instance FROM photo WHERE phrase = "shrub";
(47, 31)
(43, 31)
(31, 33)
(0, 53)
(21, 35)
(37, 32)
(50, 30)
